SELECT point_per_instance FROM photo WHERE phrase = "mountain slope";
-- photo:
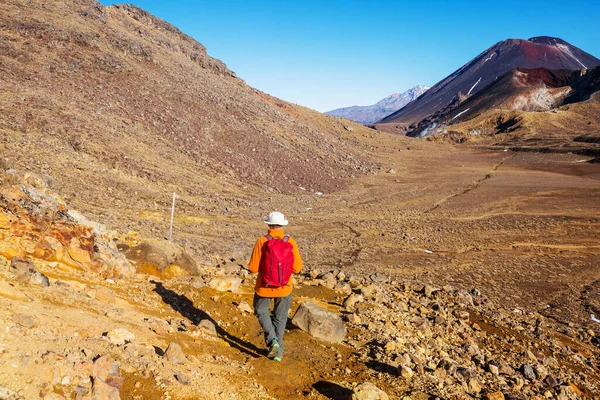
(381, 109)
(123, 96)
(546, 52)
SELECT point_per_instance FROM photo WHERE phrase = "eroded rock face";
(319, 323)
(35, 224)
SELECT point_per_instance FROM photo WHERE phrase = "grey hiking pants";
(273, 324)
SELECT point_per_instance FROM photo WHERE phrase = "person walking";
(275, 257)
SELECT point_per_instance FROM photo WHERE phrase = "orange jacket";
(254, 265)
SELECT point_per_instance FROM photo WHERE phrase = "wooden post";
(172, 215)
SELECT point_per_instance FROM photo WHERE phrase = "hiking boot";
(273, 348)
(278, 359)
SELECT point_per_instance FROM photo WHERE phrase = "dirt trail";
(469, 188)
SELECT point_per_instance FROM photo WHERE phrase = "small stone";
(405, 372)
(175, 354)
(493, 369)
(102, 391)
(370, 291)
(540, 371)
(494, 396)
(225, 283)
(245, 307)
(429, 290)
(158, 326)
(352, 300)
(591, 333)
(208, 326)
(120, 336)
(473, 387)
(104, 367)
(24, 320)
(550, 381)
(353, 319)
(528, 372)
(6, 393)
(182, 378)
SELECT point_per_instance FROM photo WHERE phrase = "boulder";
(319, 323)
(159, 254)
(368, 391)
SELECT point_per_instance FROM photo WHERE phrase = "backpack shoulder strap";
(269, 237)
(286, 238)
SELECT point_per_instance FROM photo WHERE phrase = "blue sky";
(331, 54)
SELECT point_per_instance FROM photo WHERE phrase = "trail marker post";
(172, 215)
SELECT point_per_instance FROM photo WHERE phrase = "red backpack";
(277, 262)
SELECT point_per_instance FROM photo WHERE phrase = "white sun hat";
(276, 218)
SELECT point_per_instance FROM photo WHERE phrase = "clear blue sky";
(331, 54)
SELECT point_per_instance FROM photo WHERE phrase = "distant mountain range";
(373, 113)
(482, 71)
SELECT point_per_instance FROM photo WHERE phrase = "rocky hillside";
(373, 113)
(122, 95)
(83, 321)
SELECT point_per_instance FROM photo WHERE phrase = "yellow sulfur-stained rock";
(5, 221)
(78, 253)
(11, 292)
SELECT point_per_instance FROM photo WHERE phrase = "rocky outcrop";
(35, 224)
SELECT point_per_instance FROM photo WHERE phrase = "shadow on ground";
(186, 308)
(382, 367)
(332, 390)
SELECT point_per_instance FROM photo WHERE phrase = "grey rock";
(319, 323)
(528, 372)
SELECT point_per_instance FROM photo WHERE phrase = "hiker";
(275, 257)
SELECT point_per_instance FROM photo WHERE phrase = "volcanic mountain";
(381, 109)
(552, 111)
(537, 52)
